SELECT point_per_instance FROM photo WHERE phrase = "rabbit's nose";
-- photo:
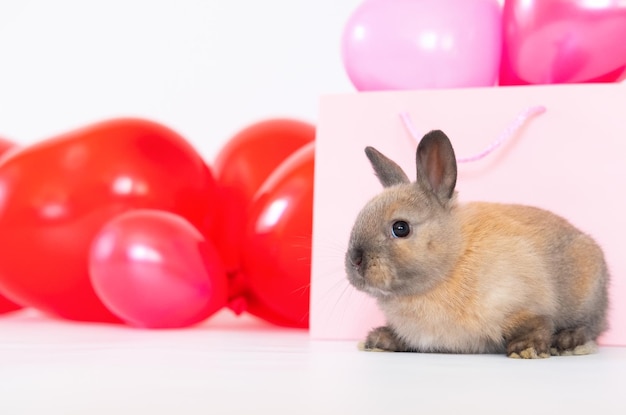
(356, 257)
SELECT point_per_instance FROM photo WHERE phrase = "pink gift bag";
(570, 159)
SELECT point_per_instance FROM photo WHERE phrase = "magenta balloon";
(154, 269)
(414, 44)
(563, 41)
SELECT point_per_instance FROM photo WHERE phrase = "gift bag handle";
(506, 135)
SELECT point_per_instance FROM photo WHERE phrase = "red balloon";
(5, 145)
(276, 250)
(154, 269)
(242, 166)
(56, 195)
(6, 305)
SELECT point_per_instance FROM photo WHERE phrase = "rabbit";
(476, 277)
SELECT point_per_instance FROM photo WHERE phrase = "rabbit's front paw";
(384, 339)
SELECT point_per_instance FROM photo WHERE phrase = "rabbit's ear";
(387, 171)
(436, 165)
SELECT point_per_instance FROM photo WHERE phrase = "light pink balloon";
(414, 44)
(563, 41)
(154, 269)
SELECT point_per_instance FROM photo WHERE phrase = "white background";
(204, 68)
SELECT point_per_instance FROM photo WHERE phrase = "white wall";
(205, 68)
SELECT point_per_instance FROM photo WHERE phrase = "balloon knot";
(238, 305)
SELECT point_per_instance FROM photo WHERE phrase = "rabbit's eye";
(400, 229)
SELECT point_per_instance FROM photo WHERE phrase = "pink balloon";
(154, 269)
(563, 41)
(413, 44)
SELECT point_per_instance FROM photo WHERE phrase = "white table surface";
(241, 366)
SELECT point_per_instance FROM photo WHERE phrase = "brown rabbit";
(472, 278)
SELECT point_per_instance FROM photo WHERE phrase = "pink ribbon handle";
(506, 135)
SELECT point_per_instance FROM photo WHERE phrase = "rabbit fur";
(476, 277)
